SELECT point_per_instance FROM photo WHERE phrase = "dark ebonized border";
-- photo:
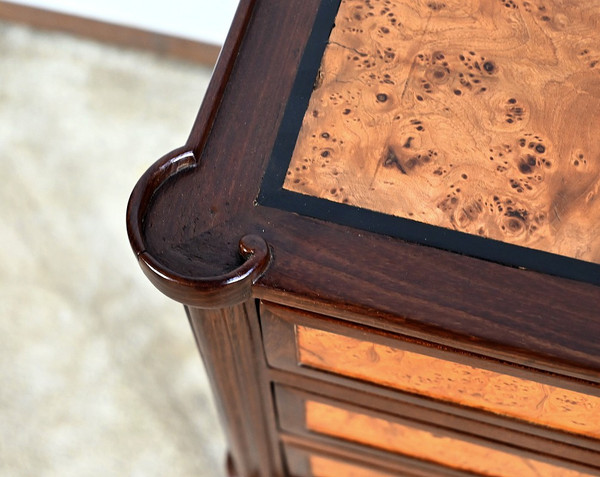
(272, 193)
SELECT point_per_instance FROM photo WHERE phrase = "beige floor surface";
(99, 373)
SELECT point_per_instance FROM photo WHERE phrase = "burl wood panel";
(475, 115)
(323, 467)
(453, 382)
(445, 450)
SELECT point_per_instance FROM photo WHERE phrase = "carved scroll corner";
(219, 291)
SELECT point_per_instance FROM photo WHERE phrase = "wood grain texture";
(459, 301)
(324, 467)
(435, 447)
(502, 394)
(477, 116)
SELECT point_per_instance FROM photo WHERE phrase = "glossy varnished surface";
(477, 116)
(454, 382)
(424, 444)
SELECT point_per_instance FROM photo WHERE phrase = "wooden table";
(385, 230)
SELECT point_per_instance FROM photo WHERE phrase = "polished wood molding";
(215, 290)
(168, 45)
(470, 116)
(220, 77)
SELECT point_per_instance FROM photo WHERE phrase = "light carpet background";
(99, 372)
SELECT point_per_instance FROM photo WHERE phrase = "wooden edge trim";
(181, 48)
(217, 291)
(220, 77)
(159, 172)
(203, 292)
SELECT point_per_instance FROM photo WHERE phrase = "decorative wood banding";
(479, 116)
(324, 467)
(462, 384)
(426, 445)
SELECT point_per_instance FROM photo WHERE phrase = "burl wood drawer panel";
(459, 383)
(417, 369)
(324, 467)
(304, 463)
(401, 436)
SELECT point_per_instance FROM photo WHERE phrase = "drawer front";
(324, 467)
(398, 364)
(448, 381)
(305, 463)
(308, 414)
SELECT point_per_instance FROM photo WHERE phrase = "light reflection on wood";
(444, 380)
(444, 450)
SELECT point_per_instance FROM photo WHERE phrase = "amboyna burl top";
(478, 116)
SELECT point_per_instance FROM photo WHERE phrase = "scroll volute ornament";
(203, 292)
